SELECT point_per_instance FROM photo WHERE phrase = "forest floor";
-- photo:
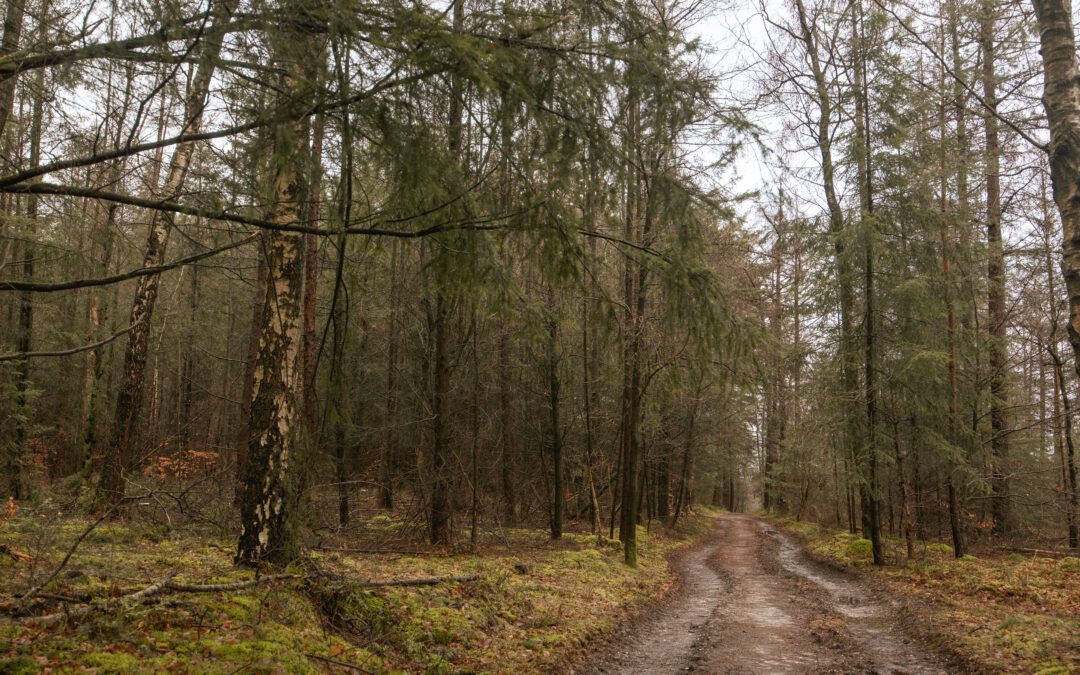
(725, 593)
(520, 602)
(990, 612)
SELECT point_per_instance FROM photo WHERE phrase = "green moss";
(110, 662)
(1052, 668)
(859, 549)
(447, 625)
(20, 665)
(937, 547)
(436, 665)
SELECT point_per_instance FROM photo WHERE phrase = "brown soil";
(750, 601)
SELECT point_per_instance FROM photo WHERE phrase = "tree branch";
(45, 287)
(17, 356)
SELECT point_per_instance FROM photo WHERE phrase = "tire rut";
(750, 601)
(664, 641)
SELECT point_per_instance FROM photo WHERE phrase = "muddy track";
(750, 601)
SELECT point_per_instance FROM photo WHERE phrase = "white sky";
(735, 35)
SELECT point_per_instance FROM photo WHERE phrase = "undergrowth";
(533, 604)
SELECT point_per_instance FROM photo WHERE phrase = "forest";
(539, 336)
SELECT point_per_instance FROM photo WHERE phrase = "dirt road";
(752, 602)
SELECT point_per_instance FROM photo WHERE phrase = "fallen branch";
(57, 617)
(130, 600)
(84, 598)
(229, 586)
(423, 581)
(166, 583)
(149, 590)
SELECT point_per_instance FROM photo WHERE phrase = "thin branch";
(123, 276)
(17, 356)
(134, 149)
(480, 223)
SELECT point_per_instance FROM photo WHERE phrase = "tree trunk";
(995, 278)
(390, 424)
(506, 471)
(682, 496)
(955, 524)
(120, 455)
(341, 471)
(272, 425)
(555, 429)
(275, 415)
(440, 497)
(247, 392)
(25, 329)
(187, 368)
(633, 325)
(1065, 448)
(848, 349)
(9, 43)
(474, 433)
(868, 493)
(311, 276)
(1061, 99)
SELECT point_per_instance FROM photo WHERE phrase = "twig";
(15, 554)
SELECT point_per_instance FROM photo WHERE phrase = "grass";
(534, 604)
(997, 613)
